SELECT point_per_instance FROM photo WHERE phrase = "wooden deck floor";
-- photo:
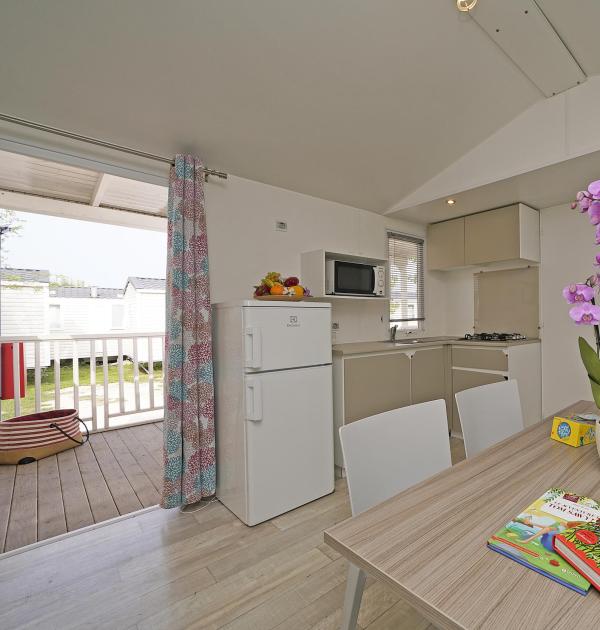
(115, 473)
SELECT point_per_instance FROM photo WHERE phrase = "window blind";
(407, 297)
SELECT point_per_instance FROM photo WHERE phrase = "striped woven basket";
(25, 439)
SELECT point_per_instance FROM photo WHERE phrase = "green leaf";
(590, 360)
(595, 392)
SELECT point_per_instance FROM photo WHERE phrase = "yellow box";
(574, 430)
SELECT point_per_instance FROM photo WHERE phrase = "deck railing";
(105, 399)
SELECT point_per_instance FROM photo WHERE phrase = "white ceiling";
(576, 21)
(359, 102)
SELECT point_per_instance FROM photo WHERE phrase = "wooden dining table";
(428, 543)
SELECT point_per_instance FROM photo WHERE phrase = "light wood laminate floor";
(115, 473)
(167, 569)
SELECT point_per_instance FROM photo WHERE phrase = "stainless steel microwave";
(351, 278)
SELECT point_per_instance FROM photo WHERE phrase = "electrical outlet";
(281, 226)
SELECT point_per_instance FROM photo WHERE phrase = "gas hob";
(494, 336)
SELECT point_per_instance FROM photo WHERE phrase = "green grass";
(66, 380)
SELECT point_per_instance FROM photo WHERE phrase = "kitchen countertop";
(369, 347)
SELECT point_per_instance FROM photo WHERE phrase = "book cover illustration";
(528, 538)
(580, 545)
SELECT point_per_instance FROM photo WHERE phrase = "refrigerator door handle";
(253, 347)
(253, 400)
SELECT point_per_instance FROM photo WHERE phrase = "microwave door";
(354, 278)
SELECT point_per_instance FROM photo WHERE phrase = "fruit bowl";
(280, 298)
(278, 288)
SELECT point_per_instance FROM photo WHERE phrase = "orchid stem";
(596, 333)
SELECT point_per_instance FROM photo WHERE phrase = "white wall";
(568, 251)
(549, 132)
(84, 316)
(244, 245)
(25, 313)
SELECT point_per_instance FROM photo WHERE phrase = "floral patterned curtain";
(189, 434)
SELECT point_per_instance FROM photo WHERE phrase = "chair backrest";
(389, 452)
(489, 414)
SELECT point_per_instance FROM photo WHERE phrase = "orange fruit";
(277, 289)
(296, 290)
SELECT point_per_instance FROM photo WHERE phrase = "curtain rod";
(100, 143)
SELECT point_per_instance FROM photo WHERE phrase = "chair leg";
(355, 583)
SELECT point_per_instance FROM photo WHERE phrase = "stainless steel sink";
(405, 342)
(409, 342)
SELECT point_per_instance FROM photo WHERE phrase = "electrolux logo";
(293, 323)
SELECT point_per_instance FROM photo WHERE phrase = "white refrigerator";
(273, 413)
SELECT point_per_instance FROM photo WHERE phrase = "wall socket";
(281, 226)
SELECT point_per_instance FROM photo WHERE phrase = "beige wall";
(244, 245)
(459, 296)
(568, 251)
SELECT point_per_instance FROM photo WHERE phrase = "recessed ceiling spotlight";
(465, 5)
(450, 202)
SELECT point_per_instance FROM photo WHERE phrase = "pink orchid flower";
(594, 212)
(594, 188)
(585, 313)
(583, 201)
(578, 293)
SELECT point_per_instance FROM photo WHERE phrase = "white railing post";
(16, 378)
(121, 375)
(75, 376)
(37, 378)
(136, 374)
(56, 375)
(93, 383)
(105, 382)
(150, 373)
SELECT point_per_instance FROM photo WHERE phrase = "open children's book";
(529, 537)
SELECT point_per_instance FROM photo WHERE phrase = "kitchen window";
(407, 301)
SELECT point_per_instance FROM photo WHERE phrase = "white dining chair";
(383, 455)
(489, 414)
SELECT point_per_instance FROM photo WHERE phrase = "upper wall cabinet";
(446, 244)
(511, 233)
(505, 234)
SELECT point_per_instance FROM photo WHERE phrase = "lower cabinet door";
(375, 384)
(466, 379)
(428, 380)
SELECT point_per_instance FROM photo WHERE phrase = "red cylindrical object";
(7, 381)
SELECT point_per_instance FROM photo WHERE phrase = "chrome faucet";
(393, 331)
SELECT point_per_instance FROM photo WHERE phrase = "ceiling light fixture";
(465, 5)
(450, 202)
